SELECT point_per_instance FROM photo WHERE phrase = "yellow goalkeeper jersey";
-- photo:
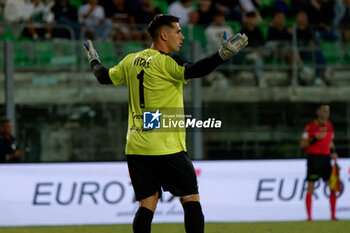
(155, 82)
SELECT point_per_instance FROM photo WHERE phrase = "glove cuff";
(94, 59)
(225, 53)
(94, 62)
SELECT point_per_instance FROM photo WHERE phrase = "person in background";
(213, 33)
(2, 5)
(307, 45)
(13, 10)
(248, 6)
(92, 21)
(256, 43)
(181, 9)
(342, 21)
(278, 31)
(9, 145)
(231, 8)
(205, 12)
(317, 140)
(123, 21)
(36, 11)
(321, 15)
(144, 14)
(66, 14)
(279, 40)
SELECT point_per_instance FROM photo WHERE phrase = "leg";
(321, 61)
(258, 63)
(194, 219)
(48, 30)
(144, 215)
(31, 30)
(332, 201)
(308, 200)
(147, 190)
(178, 176)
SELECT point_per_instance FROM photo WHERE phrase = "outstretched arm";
(203, 66)
(100, 72)
(229, 47)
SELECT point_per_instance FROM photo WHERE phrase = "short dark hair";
(251, 14)
(219, 13)
(161, 20)
(321, 105)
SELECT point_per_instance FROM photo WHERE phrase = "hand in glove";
(233, 45)
(91, 52)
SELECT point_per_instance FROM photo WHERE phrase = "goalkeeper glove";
(91, 52)
(233, 45)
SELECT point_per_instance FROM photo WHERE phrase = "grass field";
(263, 227)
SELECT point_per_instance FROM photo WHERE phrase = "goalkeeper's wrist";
(225, 53)
(219, 56)
(93, 62)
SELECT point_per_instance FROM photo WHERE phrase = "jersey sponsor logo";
(151, 120)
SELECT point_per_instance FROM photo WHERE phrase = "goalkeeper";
(154, 78)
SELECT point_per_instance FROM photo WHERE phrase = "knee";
(194, 209)
(150, 202)
(193, 197)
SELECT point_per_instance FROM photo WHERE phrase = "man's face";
(323, 112)
(250, 21)
(279, 20)
(6, 128)
(174, 38)
(219, 20)
(302, 20)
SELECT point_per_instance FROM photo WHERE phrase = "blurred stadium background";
(264, 97)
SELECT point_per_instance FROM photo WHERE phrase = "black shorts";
(318, 166)
(174, 173)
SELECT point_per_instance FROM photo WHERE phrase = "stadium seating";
(76, 3)
(331, 50)
(107, 53)
(235, 25)
(162, 5)
(196, 33)
(7, 35)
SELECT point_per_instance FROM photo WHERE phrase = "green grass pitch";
(251, 227)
